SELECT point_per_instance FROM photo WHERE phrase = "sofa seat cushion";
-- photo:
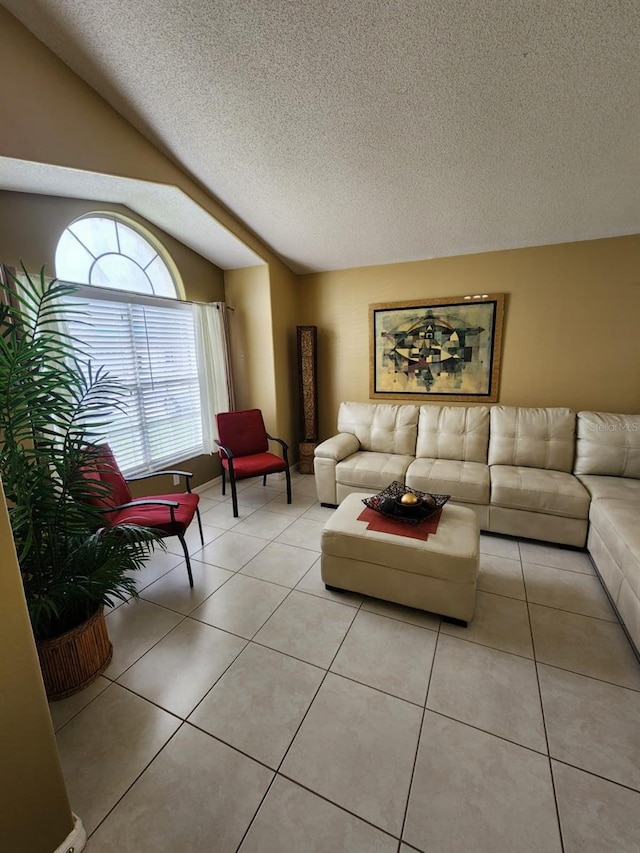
(538, 490)
(616, 488)
(467, 482)
(372, 470)
(617, 524)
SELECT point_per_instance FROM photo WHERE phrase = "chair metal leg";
(200, 524)
(186, 557)
(234, 496)
(264, 479)
(223, 481)
(288, 476)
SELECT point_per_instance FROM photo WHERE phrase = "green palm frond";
(53, 403)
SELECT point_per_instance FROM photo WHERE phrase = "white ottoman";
(437, 575)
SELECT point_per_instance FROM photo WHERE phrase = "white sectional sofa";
(608, 465)
(538, 473)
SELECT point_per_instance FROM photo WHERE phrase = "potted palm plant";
(53, 408)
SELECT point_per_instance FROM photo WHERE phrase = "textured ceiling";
(356, 132)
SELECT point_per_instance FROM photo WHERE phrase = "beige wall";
(34, 809)
(249, 298)
(572, 321)
(284, 290)
(263, 345)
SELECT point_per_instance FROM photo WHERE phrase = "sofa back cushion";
(453, 432)
(608, 444)
(381, 428)
(532, 438)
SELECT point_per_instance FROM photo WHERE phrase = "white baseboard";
(76, 840)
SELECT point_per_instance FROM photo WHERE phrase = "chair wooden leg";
(200, 524)
(186, 557)
(287, 474)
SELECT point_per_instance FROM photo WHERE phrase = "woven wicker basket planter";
(76, 658)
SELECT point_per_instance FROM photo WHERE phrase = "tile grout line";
(324, 678)
(484, 731)
(189, 616)
(615, 621)
(598, 776)
(252, 638)
(295, 734)
(556, 666)
(635, 649)
(542, 713)
(338, 806)
(590, 677)
(143, 771)
(415, 757)
(90, 702)
(247, 642)
(159, 640)
(551, 606)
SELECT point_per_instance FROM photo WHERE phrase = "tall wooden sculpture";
(307, 396)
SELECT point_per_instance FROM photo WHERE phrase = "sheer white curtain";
(212, 342)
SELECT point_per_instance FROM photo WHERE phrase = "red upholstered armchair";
(168, 515)
(244, 444)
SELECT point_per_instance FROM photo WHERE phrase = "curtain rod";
(170, 299)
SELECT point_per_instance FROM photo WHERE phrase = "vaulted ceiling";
(356, 132)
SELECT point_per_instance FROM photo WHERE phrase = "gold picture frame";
(437, 349)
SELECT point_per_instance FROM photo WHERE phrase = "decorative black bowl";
(387, 502)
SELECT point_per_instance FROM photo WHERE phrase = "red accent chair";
(168, 515)
(244, 444)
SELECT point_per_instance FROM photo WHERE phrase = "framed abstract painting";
(437, 349)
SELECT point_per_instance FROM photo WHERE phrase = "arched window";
(108, 250)
(133, 322)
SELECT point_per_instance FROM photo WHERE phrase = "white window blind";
(149, 346)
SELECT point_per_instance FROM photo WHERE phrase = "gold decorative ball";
(409, 498)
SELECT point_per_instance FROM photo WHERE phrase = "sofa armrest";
(327, 456)
(338, 447)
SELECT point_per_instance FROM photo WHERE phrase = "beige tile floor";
(261, 713)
